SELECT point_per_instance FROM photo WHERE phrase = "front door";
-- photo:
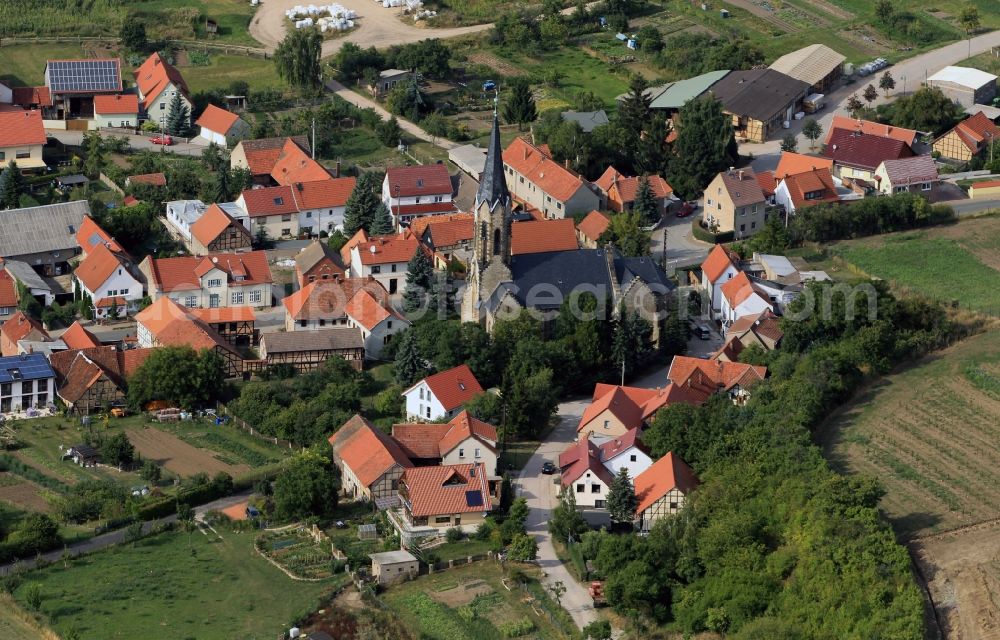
(458, 520)
(213, 301)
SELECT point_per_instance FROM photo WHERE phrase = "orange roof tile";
(721, 375)
(622, 189)
(99, 265)
(535, 165)
(908, 136)
(465, 426)
(619, 404)
(118, 103)
(320, 194)
(20, 325)
(217, 120)
(446, 489)
(328, 299)
(90, 235)
(594, 225)
(294, 165)
(184, 272)
(21, 128)
(83, 373)
(153, 76)
(28, 96)
(814, 182)
(359, 237)
(453, 387)
(420, 440)
(767, 182)
(791, 163)
(367, 311)
(388, 249)
(619, 445)
(975, 130)
(445, 230)
(738, 289)
(366, 450)
(540, 236)
(666, 474)
(76, 337)
(172, 325)
(8, 290)
(212, 223)
(270, 201)
(218, 315)
(262, 154)
(718, 260)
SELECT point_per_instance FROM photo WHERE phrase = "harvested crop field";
(22, 493)
(179, 457)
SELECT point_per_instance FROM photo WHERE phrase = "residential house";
(712, 376)
(26, 381)
(619, 191)
(120, 110)
(317, 261)
(768, 186)
(8, 294)
(20, 327)
(108, 276)
(965, 85)
(985, 189)
(385, 258)
(236, 325)
(376, 320)
(869, 127)
(742, 297)
(390, 567)
(734, 202)
(294, 165)
(763, 330)
(856, 155)
(591, 228)
(305, 351)
(449, 237)
(543, 236)
(588, 120)
(21, 272)
(389, 79)
(370, 462)
(817, 65)
(441, 395)
(760, 101)
(662, 490)
(222, 127)
(37, 98)
(270, 211)
(535, 178)
(435, 499)
(615, 410)
(791, 163)
(463, 439)
(167, 324)
(216, 231)
(806, 189)
(72, 98)
(420, 190)
(321, 204)
(260, 156)
(181, 214)
(43, 236)
(94, 378)
(77, 337)
(917, 174)
(159, 82)
(22, 138)
(221, 280)
(625, 452)
(584, 474)
(719, 267)
(969, 138)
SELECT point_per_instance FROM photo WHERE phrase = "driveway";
(138, 143)
(682, 248)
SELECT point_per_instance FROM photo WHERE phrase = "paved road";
(75, 138)
(682, 248)
(118, 536)
(970, 207)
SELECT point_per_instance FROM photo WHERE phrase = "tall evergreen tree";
(297, 59)
(381, 224)
(622, 501)
(222, 192)
(419, 272)
(705, 145)
(178, 117)
(520, 105)
(362, 203)
(645, 202)
(11, 185)
(633, 112)
(409, 364)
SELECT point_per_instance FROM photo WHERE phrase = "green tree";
(886, 83)
(567, 521)
(308, 485)
(487, 407)
(419, 273)
(645, 202)
(240, 180)
(33, 596)
(622, 501)
(633, 114)
(529, 391)
(884, 11)
(790, 143)
(178, 117)
(93, 149)
(221, 189)
(870, 94)
(36, 532)
(854, 105)
(409, 364)
(519, 108)
(625, 231)
(297, 59)
(11, 186)
(118, 451)
(389, 132)
(381, 224)
(522, 548)
(151, 472)
(969, 18)
(705, 145)
(363, 202)
(812, 130)
(598, 630)
(926, 109)
(630, 342)
(133, 34)
(213, 158)
(178, 375)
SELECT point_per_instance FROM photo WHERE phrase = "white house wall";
(428, 408)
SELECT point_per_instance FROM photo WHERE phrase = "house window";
(598, 504)
(595, 488)
(673, 506)
(606, 423)
(214, 282)
(255, 296)
(190, 301)
(421, 392)
(286, 217)
(925, 186)
(461, 453)
(388, 325)
(286, 232)
(393, 268)
(632, 458)
(21, 154)
(213, 301)
(478, 453)
(163, 105)
(377, 269)
(442, 519)
(743, 227)
(309, 214)
(303, 323)
(754, 210)
(322, 322)
(428, 412)
(753, 225)
(743, 211)
(237, 297)
(579, 487)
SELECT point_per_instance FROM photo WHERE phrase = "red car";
(686, 209)
(163, 139)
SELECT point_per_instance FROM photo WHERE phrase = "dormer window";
(279, 201)
(420, 183)
(239, 278)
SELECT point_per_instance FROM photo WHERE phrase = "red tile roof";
(540, 236)
(153, 76)
(985, 183)
(172, 325)
(294, 165)
(465, 426)
(155, 179)
(976, 130)
(76, 337)
(322, 194)
(18, 326)
(791, 163)
(666, 474)
(429, 441)
(419, 180)
(631, 405)
(388, 249)
(447, 489)
(28, 96)
(118, 103)
(535, 165)
(864, 151)
(218, 315)
(83, 373)
(8, 290)
(722, 376)
(366, 450)
(622, 190)
(21, 128)
(764, 323)
(718, 260)
(908, 136)
(217, 120)
(184, 272)
(648, 400)
(907, 171)
(329, 299)
(114, 301)
(271, 201)
(817, 181)
(453, 387)
(212, 223)
(619, 445)
(262, 154)
(90, 235)
(581, 457)
(444, 230)
(594, 225)
(99, 265)
(767, 182)
(364, 309)
(738, 289)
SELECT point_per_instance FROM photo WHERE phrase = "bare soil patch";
(765, 14)
(22, 493)
(832, 9)
(178, 456)
(496, 63)
(462, 594)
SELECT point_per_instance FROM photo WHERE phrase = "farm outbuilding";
(965, 85)
(760, 101)
(817, 64)
(469, 158)
(389, 567)
(986, 189)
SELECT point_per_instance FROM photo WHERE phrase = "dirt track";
(177, 456)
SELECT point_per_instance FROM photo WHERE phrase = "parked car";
(700, 330)
(687, 209)
(548, 468)
(163, 139)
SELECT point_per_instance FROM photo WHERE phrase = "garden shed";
(367, 532)
(389, 567)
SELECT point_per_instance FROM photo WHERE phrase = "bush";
(517, 628)
(454, 534)
(703, 234)
(485, 530)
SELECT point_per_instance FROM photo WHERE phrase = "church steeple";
(493, 184)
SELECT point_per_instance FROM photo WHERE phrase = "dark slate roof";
(32, 366)
(645, 269)
(337, 338)
(588, 120)
(493, 182)
(864, 150)
(758, 93)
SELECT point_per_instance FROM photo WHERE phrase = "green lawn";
(223, 69)
(165, 19)
(24, 64)
(461, 549)
(174, 586)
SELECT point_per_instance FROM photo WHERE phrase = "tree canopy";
(705, 145)
(308, 485)
(179, 375)
(297, 59)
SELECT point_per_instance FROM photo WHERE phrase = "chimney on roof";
(336, 171)
(731, 170)
(741, 174)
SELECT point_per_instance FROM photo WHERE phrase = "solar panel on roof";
(474, 498)
(83, 76)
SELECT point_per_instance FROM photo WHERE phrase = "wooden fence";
(240, 423)
(110, 184)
